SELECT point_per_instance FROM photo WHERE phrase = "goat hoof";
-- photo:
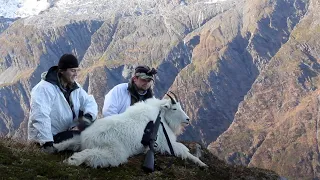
(204, 167)
(72, 161)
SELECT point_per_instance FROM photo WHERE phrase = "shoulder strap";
(168, 140)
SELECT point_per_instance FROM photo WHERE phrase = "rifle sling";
(168, 140)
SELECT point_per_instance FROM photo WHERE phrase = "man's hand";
(48, 148)
(84, 122)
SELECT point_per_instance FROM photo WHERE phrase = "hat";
(68, 61)
(144, 72)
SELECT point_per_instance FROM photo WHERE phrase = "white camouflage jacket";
(50, 112)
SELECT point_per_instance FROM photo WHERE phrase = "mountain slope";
(229, 52)
(276, 126)
(108, 48)
(226, 61)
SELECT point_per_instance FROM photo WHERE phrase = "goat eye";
(174, 109)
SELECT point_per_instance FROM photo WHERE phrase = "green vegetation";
(23, 161)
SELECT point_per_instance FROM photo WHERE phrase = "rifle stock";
(148, 165)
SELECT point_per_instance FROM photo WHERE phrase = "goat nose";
(188, 119)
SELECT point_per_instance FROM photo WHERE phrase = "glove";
(48, 148)
(84, 122)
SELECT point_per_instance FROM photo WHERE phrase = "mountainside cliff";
(245, 71)
(276, 126)
(108, 45)
(229, 52)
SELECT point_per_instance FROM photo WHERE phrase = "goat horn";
(175, 96)
(172, 100)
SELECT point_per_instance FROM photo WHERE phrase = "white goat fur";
(110, 141)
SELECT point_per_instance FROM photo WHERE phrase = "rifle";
(148, 165)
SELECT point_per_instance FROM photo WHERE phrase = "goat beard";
(177, 128)
(181, 129)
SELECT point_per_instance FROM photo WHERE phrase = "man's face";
(70, 75)
(142, 84)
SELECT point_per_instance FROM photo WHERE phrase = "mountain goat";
(110, 141)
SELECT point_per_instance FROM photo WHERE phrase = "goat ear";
(166, 105)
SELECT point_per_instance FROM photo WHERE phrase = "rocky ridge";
(229, 63)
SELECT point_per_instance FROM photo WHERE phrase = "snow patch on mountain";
(23, 8)
(26, 8)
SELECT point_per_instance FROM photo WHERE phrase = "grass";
(19, 160)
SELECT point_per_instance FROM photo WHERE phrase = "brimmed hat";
(144, 72)
(68, 61)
